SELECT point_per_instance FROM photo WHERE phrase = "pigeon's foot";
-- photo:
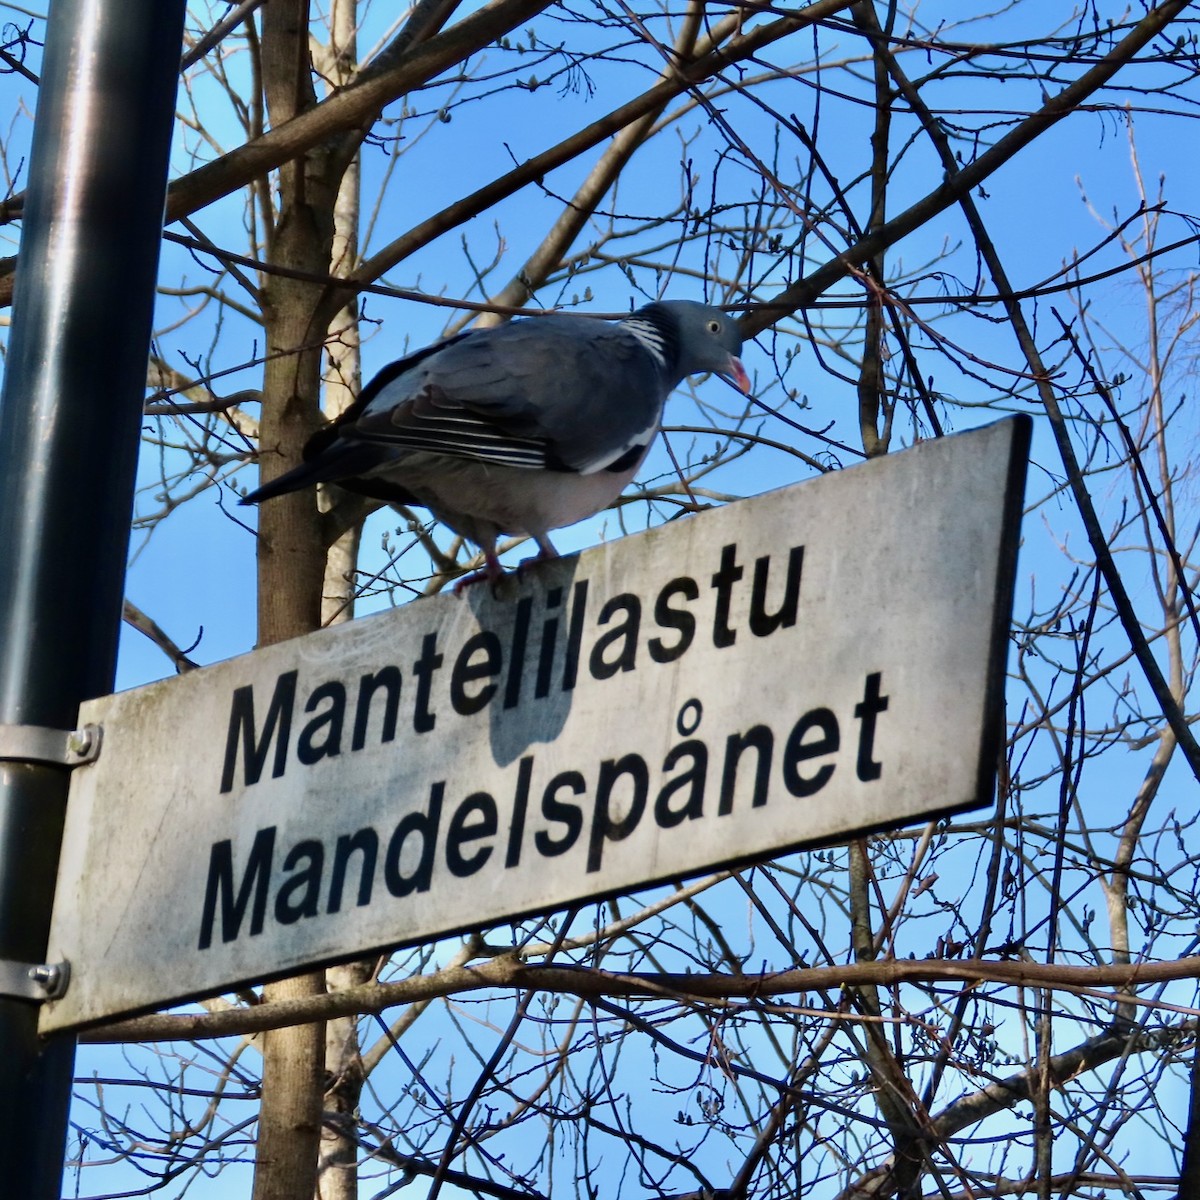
(467, 581)
(546, 551)
(492, 573)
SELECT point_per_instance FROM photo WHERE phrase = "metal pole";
(69, 416)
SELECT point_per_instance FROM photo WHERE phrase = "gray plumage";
(521, 428)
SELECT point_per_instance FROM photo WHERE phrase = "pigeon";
(518, 428)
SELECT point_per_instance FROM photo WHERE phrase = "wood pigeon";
(520, 428)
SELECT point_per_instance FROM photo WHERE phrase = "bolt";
(46, 976)
(81, 743)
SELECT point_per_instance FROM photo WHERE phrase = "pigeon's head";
(705, 339)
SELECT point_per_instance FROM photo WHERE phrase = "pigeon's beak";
(736, 373)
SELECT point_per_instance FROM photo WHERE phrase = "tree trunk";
(337, 1177)
(291, 555)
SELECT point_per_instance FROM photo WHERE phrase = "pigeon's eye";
(714, 326)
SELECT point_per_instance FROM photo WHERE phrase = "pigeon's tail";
(290, 481)
(330, 465)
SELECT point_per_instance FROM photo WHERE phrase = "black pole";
(69, 416)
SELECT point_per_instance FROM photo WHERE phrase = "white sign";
(783, 671)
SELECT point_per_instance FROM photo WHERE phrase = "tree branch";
(507, 971)
(965, 179)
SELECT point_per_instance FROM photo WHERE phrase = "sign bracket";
(34, 981)
(68, 748)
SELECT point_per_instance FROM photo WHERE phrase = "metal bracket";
(33, 981)
(56, 747)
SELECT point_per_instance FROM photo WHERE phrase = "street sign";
(783, 671)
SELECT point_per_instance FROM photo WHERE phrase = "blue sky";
(194, 574)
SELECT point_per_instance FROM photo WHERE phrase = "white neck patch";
(650, 338)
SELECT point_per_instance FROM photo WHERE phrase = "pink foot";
(492, 573)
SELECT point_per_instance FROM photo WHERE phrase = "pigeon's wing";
(330, 456)
(557, 393)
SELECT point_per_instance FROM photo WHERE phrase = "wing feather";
(501, 395)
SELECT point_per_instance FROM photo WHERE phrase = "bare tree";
(1002, 1004)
